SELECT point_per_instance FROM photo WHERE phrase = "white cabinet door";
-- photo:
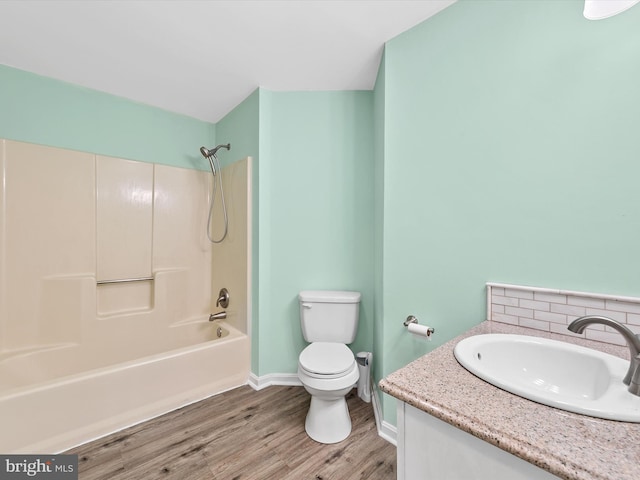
(430, 449)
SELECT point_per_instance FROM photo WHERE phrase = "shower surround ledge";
(568, 445)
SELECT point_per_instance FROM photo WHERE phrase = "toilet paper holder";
(412, 319)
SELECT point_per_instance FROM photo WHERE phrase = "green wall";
(510, 154)
(316, 216)
(313, 215)
(241, 128)
(50, 112)
(379, 112)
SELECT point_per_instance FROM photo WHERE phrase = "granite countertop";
(570, 446)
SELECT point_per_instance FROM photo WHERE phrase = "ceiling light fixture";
(599, 9)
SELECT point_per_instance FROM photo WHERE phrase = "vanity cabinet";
(431, 449)
(439, 401)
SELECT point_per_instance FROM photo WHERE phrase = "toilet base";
(328, 421)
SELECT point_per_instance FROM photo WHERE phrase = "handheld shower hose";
(214, 163)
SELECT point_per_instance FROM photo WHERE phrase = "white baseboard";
(258, 383)
(386, 430)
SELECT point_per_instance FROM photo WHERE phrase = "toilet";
(327, 368)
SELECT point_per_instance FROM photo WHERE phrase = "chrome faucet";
(632, 378)
(218, 316)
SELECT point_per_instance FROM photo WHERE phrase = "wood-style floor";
(240, 435)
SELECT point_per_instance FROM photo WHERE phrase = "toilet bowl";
(328, 371)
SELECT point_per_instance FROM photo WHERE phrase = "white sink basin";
(558, 374)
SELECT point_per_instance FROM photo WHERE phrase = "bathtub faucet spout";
(218, 316)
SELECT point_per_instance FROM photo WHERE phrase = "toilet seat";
(326, 360)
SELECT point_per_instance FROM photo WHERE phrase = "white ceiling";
(202, 58)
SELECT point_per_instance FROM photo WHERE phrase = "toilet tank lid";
(329, 296)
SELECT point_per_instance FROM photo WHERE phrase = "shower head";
(206, 153)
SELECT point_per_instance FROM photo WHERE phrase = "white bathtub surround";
(84, 354)
(124, 218)
(552, 310)
(232, 257)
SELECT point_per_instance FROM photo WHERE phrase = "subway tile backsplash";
(552, 310)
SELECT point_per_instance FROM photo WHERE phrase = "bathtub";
(48, 406)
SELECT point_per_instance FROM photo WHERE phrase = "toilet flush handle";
(306, 305)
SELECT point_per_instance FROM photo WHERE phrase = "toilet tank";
(329, 315)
